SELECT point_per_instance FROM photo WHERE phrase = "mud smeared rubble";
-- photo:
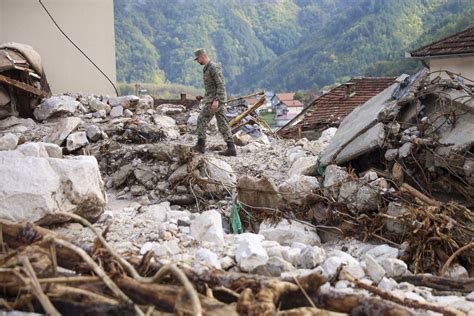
(353, 218)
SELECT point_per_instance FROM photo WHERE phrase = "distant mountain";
(277, 44)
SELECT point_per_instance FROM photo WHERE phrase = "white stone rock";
(346, 258)
(208, 257)
(207, 226)
(55, 105)
(227, 262)
(310, 257)
(373, 269)
(53, 150)
(274, 266)
(117, 111)
(292, 255)
(297, 187)
(33, 189)
(8, 142)
(124, 101)
(250, 253)
(457, 271)
(301, 166)
(218, 171)
(331, 265)
(167, 125)
(286, 233)
(156, 213)
(334, 175)
(354, 270)
(387, 284)
(33, 150)
(327, 135)
(76, 140)
(393, 267)
(383, 252)
(470, 296)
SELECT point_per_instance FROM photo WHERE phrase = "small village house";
(453, 54)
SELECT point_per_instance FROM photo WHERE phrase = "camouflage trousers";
(206, 116)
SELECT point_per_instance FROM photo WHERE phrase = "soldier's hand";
(214, 105)
(199, 97)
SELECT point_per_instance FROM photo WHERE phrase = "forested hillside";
(278, 44)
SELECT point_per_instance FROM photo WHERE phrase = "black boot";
(231, 151)
(200, 146)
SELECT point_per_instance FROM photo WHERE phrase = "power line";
(77, 47)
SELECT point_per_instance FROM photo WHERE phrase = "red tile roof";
(333, 106)
(288, 99)
(285, 96)
(459, 43)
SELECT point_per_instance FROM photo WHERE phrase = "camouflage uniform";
(214, 85)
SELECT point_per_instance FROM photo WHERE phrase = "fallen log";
(440, 283)
(170, 298)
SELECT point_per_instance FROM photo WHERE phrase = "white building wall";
(89, 23)
(459, 65)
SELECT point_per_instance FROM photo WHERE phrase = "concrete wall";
(89, 23)
(460, 65)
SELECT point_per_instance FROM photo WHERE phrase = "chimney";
(183, 97)
(350, 90)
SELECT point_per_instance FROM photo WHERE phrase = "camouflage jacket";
(214, 83)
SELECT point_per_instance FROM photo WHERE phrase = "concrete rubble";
(344, 209)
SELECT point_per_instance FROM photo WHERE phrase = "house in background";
(454, 54)
(329, 109)
(89, 23)
(285, 107)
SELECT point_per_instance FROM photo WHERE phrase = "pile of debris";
(22, 80)
(343, 224)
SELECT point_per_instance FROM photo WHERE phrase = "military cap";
(199, 52)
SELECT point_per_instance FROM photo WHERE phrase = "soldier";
(214, 101)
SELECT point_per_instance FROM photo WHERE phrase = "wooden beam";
(22, 86)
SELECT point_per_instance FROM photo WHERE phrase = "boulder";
(207, 226)
(55, 106)
(250, 254)
(33, 189)
(286, 233)
(393, 267)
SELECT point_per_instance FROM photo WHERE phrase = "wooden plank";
(22, 86)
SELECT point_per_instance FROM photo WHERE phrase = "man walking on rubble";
(214, 100)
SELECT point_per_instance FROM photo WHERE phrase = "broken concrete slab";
(365, 143)
(358, 122)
